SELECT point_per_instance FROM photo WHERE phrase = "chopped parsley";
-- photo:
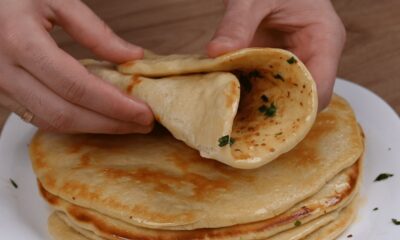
(15, 185)
(245, 77)
(291, 60)
(268, 111)
(264, 98)
(395, 221)
(297, 223)
(262, 109)
(225, 140)
(255, 74)
(277, 134)
(245, 82)
(383, 176)
(279, 77)
(375, 209)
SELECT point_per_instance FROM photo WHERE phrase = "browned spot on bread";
(231, 94)
(135, 81)
(326, 122)
(157, 117)
(50, 198)
(36, 152)
(168, 182)
(307, 155)
(112, 231)
(128, 64)
(85, 160)
(97, 142)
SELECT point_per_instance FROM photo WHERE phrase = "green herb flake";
(15, 185)
(277, 134)
(271, 110)
(375, 209)
(262, 109)
(279, 77)
(245, 82)
(297, 223)
(292, 60)
(268, 111)
(225, 140)
(383, 176)
(264, 98)
(395, 221)
(255, 74)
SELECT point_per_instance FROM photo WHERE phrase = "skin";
(310, 29)
(39, 77)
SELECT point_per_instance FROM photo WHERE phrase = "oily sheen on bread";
(244, 108)
(326, 227)
(156, 181)
(335, 195)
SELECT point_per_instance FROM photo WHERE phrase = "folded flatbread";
(244, 108)
(155, 181)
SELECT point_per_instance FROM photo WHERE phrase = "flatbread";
(155, 181)
(263, 99)
(335, 195)
(59, 230)
(326, 227)
(334, 229)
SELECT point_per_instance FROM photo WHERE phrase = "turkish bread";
(326, 227)
(147, 184)
(243, 108)
(323, 206)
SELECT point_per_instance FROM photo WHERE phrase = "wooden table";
(371, 57)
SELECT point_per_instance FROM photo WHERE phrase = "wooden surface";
(371, 57)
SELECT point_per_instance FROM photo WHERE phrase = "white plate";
(23, 214)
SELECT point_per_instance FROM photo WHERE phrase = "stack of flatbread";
(239, 153)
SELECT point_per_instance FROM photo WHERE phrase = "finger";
(321, 54)
(53, 112)
(69, 79)
(21, 111)
(323, 65)
(237, 27)
(89, 30)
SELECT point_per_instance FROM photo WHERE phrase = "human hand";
(48, 87)
(309, 28)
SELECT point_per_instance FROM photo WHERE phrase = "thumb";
(237, 27)
(89, 30)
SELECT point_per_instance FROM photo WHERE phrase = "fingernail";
(143, 115)
(136, 51)
(221, 45)
(145, 119)
(225, 41)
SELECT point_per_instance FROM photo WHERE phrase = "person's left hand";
(310, 29)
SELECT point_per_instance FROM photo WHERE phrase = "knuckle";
(74, 91)
(61, 121)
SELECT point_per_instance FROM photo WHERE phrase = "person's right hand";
(46, 86)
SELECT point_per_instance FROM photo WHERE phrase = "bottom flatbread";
(334, 229)
(326, 227)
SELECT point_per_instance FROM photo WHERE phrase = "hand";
(309, 28)
(39, 79)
